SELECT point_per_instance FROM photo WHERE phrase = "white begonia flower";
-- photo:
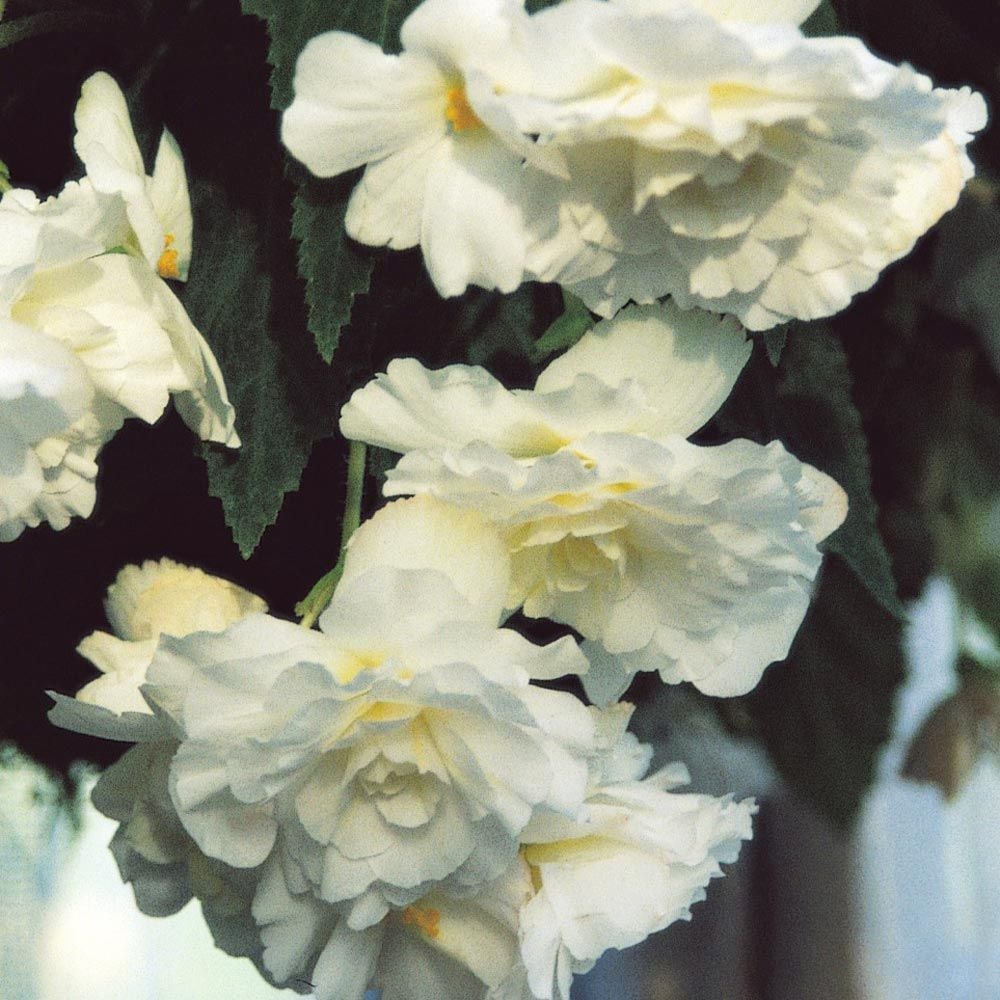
(443, 164)
(696, 561)
(440, 946)
(161, 862)
(157, 598)
(154, 852)
(733, 165)
(400, 749)
(635, 864)
(44, 389)
(133, 336)
(147, 215)
(124, 325)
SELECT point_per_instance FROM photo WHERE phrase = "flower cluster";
(633, 149)
(401, 799)
(391, 800)
(694, 561)
(90, 332)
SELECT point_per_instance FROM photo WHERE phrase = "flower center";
(459, 112)
(166, 266)
(427, 921)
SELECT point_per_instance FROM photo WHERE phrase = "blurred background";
(873, 873)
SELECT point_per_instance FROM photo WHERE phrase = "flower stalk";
(316, 601)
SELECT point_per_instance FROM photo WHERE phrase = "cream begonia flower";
(443, 162)
(163, 865)
(694, 561)
(147, 215)
(635, 865)
(717, 155)
(123, 324)
(44, 389)
(398, 750)
(440, 946)
(157, 598)
(151, 847)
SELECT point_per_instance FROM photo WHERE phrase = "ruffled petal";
(354, 104)
(424, 534)
(685, 362)
(412, 407)
(473, 231)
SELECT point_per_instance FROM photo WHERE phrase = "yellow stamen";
(536, 877)
(459, 112)
(426, 921)
(167, 265)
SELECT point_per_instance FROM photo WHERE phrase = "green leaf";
(821, 415)
(492, 329)
(23, 28)
(807, 404)
(284, 397)
(774, 343)
(825, 711)
(822, 22)
(336, 270)
(291, 23)
(565, 331)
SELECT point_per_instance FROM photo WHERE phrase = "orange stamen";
(459, 112)
(427, 921)
(167, 265)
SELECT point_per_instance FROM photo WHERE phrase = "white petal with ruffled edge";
(158, 207)
(635, 864)
(443, 159)
(755, 171)
(686, 364)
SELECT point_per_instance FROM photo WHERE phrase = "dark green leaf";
(824, 712)
(335, 269)
(806, 403)
(23, 28)
(283, 396)
(822, 21)
(821, 418)
(774, 343)
(492, 327)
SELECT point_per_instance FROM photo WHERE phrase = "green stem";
(316, 601)
(5, 184)
(355, 490)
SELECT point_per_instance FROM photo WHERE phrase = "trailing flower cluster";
(399, 799)
(391, 800)
(90, 332)
(694, 561)
(632, 149)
